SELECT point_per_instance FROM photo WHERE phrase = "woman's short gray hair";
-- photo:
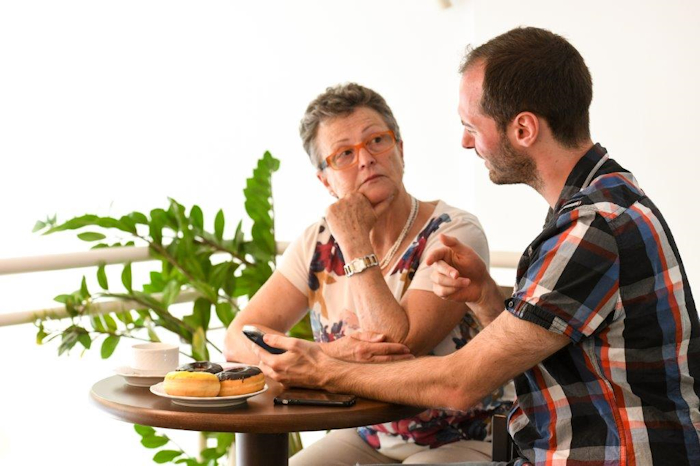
(341, 100)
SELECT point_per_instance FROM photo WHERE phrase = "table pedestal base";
(262, 449)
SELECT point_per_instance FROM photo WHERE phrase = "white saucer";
(139, 378)
(205, 401)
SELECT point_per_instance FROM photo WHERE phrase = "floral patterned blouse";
(314, 264)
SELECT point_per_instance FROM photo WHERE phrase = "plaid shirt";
(605, 271)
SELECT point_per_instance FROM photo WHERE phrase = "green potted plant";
(189, 259)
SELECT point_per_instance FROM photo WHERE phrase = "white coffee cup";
(155, 357)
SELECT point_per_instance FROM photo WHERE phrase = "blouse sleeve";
(294, 263)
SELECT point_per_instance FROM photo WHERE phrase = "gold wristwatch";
(360, 264)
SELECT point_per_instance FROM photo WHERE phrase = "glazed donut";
(184, 383)
(241, 380)
(201, 366)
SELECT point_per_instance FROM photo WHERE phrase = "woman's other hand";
(366, 347)
(351, 219)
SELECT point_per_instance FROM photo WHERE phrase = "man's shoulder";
(609, 195)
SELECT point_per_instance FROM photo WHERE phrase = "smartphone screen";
(314, 398)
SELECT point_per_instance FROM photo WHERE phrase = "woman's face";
(378, 177)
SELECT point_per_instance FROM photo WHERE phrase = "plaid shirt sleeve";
(571, 281)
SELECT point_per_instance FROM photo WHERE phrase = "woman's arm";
(421, 320)
(275, 308)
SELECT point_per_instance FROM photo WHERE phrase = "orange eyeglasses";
(347, 156)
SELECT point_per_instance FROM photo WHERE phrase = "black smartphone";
(256, 335)
(314, 398)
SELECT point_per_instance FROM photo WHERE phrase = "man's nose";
(467, 140)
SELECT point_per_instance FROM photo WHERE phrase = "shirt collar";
(580, 177)
(583, 172)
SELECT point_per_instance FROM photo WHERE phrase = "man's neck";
(554, 164)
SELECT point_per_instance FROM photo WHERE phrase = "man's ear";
(403, 161)
(322, 178)
(525, 129)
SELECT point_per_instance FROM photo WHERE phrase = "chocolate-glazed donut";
(201, 366)
(241, 380)
(238, 373)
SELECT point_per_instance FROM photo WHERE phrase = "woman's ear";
(322, 178)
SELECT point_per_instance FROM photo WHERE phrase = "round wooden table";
(261, 427)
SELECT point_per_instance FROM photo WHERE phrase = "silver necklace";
(409, 223)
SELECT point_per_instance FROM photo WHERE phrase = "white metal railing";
(95, 257)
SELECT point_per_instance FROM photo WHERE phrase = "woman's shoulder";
(317, 231)
(442, 208)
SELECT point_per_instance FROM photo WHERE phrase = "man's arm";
(503, 350)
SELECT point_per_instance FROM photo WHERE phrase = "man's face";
(506, 164)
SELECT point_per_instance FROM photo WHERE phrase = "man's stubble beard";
(511, 166)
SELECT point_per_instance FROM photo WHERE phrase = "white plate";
(205, 401)
(139, 378)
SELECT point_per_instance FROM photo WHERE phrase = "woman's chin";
(378, 193)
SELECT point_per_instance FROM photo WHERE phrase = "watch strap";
(360, 264)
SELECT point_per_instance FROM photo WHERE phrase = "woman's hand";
(366, 347)
(351, 219)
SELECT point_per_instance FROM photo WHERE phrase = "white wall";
(114, 106)
(644, 62)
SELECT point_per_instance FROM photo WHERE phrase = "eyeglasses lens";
(376, 144)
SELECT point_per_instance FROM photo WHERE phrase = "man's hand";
(303, 365)
(366, 347)
(459, 274)
(351, 219)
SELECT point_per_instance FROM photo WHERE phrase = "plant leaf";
(211, 453)
(144, 431)
(102, 277)
(84, 293)
(171, 291)
(154, 441)
(219, 223)
(165, 456)
(85, 340)
(202, 312)
(196, 217)
(109, 321)
(39, 225)
(91, 236)
(126, 276)
(225, 313)
(108, 346)
(199, 345)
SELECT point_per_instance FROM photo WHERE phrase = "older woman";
(361, 273)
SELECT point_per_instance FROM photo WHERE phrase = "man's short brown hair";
(341, 100)
(534, 70)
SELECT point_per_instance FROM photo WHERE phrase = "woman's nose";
(365, 159)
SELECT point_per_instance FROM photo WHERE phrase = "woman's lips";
(372, 178)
